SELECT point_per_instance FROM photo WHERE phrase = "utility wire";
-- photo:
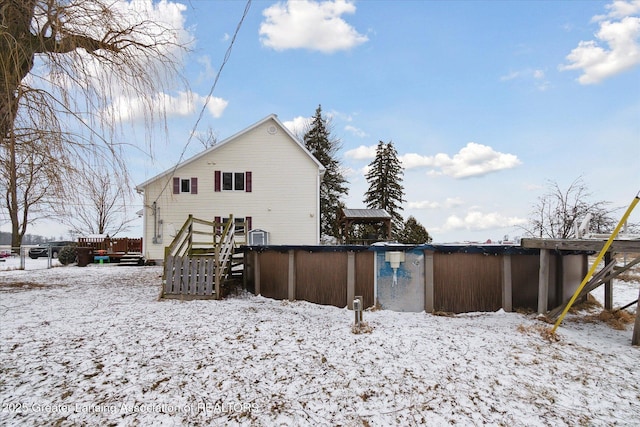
(206, 102)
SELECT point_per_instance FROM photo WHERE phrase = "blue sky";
(485, 101)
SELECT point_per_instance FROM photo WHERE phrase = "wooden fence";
(329, 275)
(449, 281)
(187, 277)
(123, 245)
(199, 258)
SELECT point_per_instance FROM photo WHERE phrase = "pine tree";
(385, 184)
(319, 142)
(414, 233)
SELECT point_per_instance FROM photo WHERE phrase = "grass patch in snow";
(21, 286)
(542, 330)
(444, 313)
(362, 328)
(618, 319)
(588, 305)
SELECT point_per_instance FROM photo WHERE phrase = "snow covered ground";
(95, 346)
(13, 263)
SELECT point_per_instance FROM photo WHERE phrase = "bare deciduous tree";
(102, 207)
(208, 139)
(69, 65)
(559, 211)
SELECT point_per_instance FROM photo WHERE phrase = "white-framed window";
(185, 185)
(232, 181)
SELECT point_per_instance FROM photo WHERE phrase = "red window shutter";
(194, 185)
(218, 220)
(248, 221)
(217, 175)
(248, 178)
(176, 185)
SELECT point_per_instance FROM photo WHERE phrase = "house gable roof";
(230, 140)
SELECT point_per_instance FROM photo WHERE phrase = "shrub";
(68, 255)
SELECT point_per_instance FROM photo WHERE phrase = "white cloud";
(355, 131)
(472, 160)
(298, 125)
(216, 106)
(351, 173)
(528, 75)
(160, 24)
(208, 72)
(533, 187)
(362, 153)
(164, 13)
(450, 202)
(306, 24)
(511, 76)
(183, 104)
(619, 9)
(476, 220)
(616, 49)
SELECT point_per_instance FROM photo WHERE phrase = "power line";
(206, 102)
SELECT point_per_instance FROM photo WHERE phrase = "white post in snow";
(507, 293)
(636, 328)
(292, 276)
(543, 281)
(429, 298)
(351, 278)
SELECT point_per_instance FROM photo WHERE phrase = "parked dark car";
(42, 250)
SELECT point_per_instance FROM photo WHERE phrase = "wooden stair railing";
(219, 243)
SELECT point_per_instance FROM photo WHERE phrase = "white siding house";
(262, 174)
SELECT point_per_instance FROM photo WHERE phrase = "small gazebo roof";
(365, 214)
(350, 217)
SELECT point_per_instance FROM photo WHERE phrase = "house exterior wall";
(284, 196)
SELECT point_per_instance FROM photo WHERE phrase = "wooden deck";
(124, 250)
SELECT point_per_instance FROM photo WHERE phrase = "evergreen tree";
(414, 233)
(385, 184)
(319, 142)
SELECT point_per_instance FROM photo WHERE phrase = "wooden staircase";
(131, 259)
(202, 257)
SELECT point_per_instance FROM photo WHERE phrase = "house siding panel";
(281, 195)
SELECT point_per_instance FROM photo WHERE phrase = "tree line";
(28, 239)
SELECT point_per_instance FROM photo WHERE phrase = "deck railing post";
(218, 272)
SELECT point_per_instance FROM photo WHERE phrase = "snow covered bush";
(68, 255)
